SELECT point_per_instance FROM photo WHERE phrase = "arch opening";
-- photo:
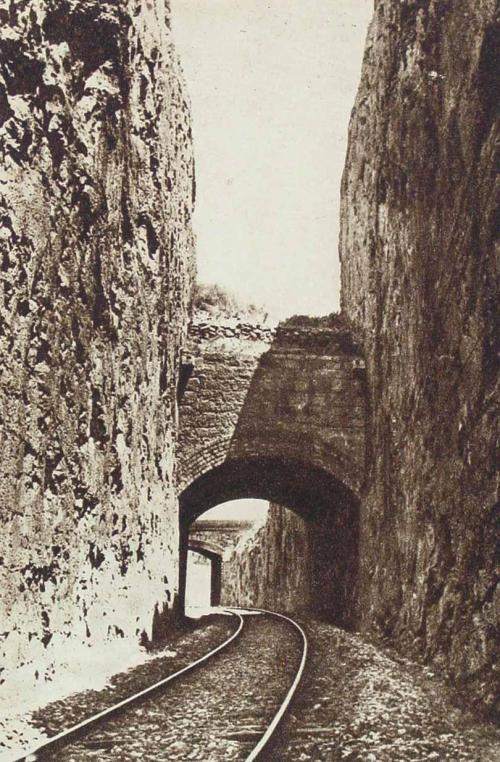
(329, 512)
(203, 579)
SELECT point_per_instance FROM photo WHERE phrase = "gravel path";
(198, 638)
(359, 703)
(214, 714)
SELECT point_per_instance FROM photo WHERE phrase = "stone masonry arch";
(299, 485)
(277, 415)
(213, 539)
(294, 394)
(330, 509)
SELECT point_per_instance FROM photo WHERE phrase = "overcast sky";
(239, 509)
(272, 83)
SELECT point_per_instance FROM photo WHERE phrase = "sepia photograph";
(249, 341)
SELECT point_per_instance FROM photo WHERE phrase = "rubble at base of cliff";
(363, 703)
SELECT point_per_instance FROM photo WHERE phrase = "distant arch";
(206, 548)
(215, 570)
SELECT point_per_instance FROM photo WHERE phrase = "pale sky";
(272, 84)
(239, 509)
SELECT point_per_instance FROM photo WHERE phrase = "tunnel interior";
(326, 514)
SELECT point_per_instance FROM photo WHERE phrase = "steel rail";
(266, 738)
(67, 735)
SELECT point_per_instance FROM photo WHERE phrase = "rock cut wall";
(97, 191)
(418, 285)
(270, 568)
(296, 564)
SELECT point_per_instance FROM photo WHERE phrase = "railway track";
(227, 704)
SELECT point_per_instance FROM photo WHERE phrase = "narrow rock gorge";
(97, 191)
(419, 292)
(118, 428)
(418, 286)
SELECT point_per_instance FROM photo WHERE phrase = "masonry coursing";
(217, 536)
(293, 393)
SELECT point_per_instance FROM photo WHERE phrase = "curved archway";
(215, 559)
(299, 485)
(329, 507)
(294, 394)
(205, 548)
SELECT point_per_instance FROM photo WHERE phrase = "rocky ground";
(203, 717)
(359, 703)
(17, 733)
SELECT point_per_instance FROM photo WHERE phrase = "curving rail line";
(70, 734)
(266, 738)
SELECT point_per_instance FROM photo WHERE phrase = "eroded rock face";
(97, 192)
(417, 248)
(296, 564)
(269, 568)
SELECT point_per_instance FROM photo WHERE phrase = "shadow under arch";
(329, 507)
(215, 569)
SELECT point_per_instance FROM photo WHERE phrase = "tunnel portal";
(278, 415)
